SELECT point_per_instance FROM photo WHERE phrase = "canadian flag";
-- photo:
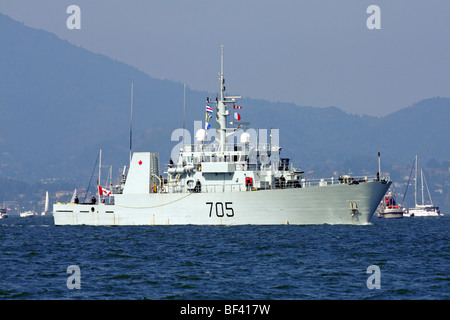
(103, 191)
(237, 116)
(236, 107)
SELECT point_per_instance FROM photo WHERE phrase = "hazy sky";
(310, 52)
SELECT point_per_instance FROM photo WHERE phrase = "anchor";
(353, 207)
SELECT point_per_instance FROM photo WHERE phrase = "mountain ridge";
(61, 103)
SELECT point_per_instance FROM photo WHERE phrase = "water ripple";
(242, 262)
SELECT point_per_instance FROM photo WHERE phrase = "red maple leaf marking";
(140, 162)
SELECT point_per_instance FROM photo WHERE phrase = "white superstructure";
(236, 179)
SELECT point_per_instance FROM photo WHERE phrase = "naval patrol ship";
(233, 180)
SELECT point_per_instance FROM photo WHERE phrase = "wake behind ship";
(232, 180)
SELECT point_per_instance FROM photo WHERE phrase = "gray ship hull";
(237, 178)
(331, 204)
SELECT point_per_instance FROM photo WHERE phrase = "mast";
(222, 102)
(222, 80)
(131, 119)
(221, 125)
(110, 181)
(415, 185)
(184, 112)
(379, 166)
(99, 174)
(421, 181)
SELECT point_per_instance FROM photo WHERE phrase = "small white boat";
(27, 214)
(389, 208)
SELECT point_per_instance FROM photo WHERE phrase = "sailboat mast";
(110, 180)
(99, 174)
(421, 181)
(415, 185)
(131, 120)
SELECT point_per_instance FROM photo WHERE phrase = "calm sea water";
(239, 262)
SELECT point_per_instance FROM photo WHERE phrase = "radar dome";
(245, 137)
(200, 135)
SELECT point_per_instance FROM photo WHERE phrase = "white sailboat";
(45, 205)
(422, 210)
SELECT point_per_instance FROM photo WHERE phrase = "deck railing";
(265, 185)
